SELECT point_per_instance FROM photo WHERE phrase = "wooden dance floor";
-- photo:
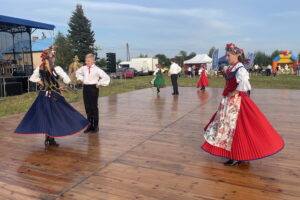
(148, 148)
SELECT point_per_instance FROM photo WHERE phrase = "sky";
(169, 26)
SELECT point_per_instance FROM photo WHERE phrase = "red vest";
(231, 83)
(203, 73)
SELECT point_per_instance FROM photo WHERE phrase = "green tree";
(64, 54)
(101, 62)
(143, 56)
(163, 60)
(211, 51)
(119, 61)
(191, 55)
(80, 34)
(275, 54)
(183, 54)
(299, 56)
(179, 60)
(262, 59)
(181, 57)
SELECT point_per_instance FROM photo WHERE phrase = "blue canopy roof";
(24, 22)
(222, 60)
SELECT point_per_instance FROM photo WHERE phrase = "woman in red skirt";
(203, 80)
(238, 130)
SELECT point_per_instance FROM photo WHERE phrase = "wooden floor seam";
(149, 138)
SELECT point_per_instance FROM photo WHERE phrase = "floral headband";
(234, 49)
(46, 55)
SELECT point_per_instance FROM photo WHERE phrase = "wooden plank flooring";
(148, 148)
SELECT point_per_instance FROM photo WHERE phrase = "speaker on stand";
(111, 62)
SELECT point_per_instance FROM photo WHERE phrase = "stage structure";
(16, 60)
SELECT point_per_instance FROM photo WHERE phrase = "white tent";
(199, 59)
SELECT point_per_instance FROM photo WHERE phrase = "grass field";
(21, 103)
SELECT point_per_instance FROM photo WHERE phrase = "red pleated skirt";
(254, 137)
(203, 82)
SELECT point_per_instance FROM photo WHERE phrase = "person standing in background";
(298, 70)
(269, 70)
(256, 69)
(92, 77)
(190, 71)
(174, 70)
(194, 71)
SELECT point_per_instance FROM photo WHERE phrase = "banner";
(251, 58)
(215, 59)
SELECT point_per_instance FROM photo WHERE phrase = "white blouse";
(242, 78)
(200, 71)
(92, 76)
(174, 69)
(155, 72)
(35, 77)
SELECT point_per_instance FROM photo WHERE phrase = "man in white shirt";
(190, 71)
(269, 70)
(256, 69)
(92, 77)
(174, 70)
(194, 71)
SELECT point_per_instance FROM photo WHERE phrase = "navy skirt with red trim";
(254, 137)
(53, 116)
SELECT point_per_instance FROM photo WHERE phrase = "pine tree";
(64, 54)
(80, 34)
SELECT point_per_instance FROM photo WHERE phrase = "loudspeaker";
(13, 88)
(111, 62)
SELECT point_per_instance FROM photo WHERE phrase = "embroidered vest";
(49, 80)
(231, 83)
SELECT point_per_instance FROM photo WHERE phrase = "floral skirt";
(240, 131)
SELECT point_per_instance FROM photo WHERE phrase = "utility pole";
(127, 52)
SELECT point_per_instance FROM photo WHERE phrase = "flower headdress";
(47, 54)
(234, 49)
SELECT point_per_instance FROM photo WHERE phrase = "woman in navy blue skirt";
(50, 114)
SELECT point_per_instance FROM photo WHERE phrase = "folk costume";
(203, 80)
(91, 76)
(158, 81)
(51, 114)
(239, 131)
